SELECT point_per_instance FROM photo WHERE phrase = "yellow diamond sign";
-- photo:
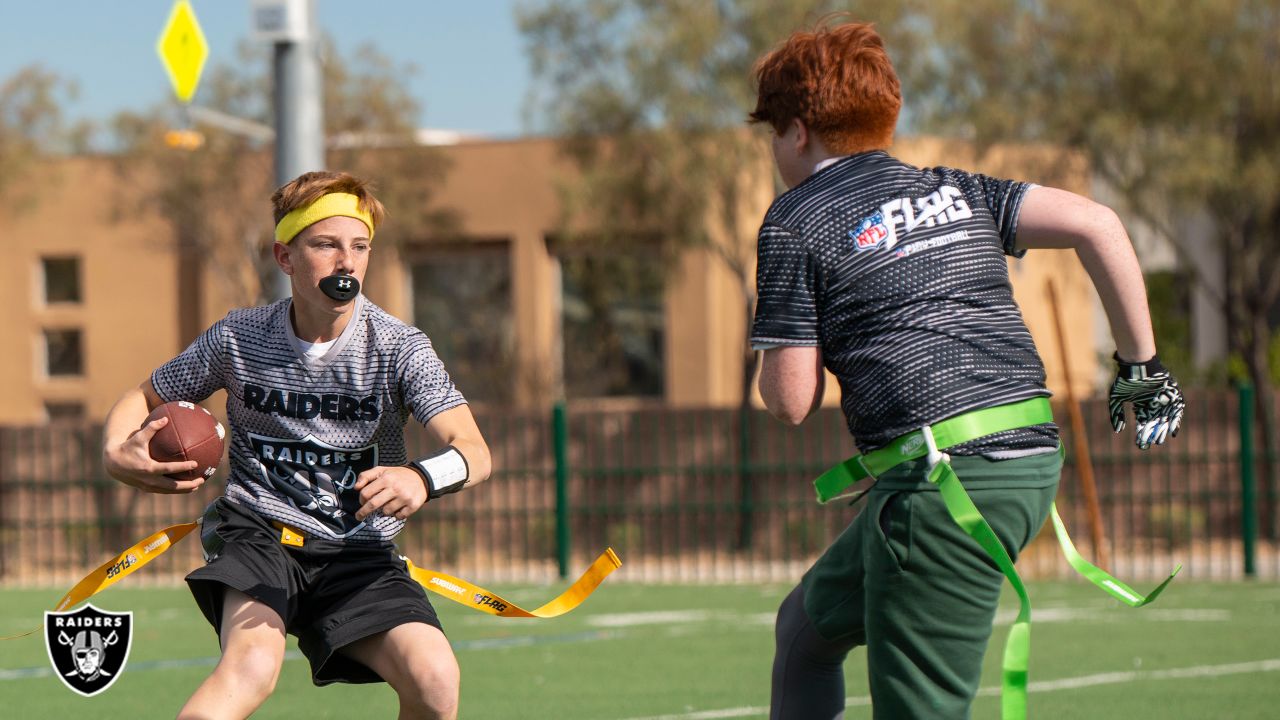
(183, 50)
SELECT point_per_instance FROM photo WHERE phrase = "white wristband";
(444, 472)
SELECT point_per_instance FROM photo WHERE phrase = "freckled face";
(333, 246)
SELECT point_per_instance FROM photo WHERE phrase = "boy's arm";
(457, 427)
(791, 382)
(1052, 218)
(125, 453)
(400, 490)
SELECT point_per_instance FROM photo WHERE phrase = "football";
(193, 433)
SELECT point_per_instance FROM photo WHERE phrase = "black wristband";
(1139, 370)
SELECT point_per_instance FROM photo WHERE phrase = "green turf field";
(642, 651)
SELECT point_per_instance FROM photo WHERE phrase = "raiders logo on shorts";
(88, 647)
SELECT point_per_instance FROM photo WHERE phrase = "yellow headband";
(327, 206)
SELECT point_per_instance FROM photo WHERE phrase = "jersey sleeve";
(786, 298)
(425, 385)
(1003, 198)
(197, 372)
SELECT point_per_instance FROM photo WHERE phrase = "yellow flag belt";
(454, 588)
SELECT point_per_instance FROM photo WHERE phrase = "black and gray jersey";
(898, 274)
(302, 430)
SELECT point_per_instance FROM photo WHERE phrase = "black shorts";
(329, 594)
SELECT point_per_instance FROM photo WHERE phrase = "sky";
(471, 76)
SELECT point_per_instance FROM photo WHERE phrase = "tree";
(1178, 110)
(34, 128)
(371, 121)
(214, 196)
(33, 125)
(650, 99)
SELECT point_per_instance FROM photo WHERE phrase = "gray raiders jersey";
(303, 430)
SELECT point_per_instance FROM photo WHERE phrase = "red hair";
(837, 81)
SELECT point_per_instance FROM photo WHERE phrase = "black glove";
(1157, 401)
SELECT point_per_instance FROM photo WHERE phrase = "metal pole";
(560, 441)
(299, 113)
(746, 505)
(1248, 484)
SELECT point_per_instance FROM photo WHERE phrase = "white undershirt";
(315, 351)
(828, 162)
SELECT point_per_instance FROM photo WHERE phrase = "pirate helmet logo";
(88, 647)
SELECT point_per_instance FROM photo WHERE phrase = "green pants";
(907, 582)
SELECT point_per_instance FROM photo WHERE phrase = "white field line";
(1073, 614)
(1084, 681)
(660, 617)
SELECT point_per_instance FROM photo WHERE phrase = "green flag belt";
(929, 442)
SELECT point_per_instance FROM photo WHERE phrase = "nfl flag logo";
(870, 232)
(88, 647)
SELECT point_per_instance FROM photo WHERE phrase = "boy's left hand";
(1157, 401)
(395, 491)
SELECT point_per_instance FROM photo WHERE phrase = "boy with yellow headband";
(319, 388)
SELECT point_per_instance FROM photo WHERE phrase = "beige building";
(94, 301)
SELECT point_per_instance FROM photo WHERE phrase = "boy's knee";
(431, 687)
(791, 616)
(254, 669)
(797, 638)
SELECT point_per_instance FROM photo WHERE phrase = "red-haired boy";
(894, 278)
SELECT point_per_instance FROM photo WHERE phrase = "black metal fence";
(682, 495)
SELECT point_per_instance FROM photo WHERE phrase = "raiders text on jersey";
(305, 406)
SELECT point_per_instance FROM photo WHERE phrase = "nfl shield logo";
(88, 647)
(870, 232)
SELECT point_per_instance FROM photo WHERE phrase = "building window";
(64, 354)
(61, 279)
(613, 327)
(462, 301)
(64, 412)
